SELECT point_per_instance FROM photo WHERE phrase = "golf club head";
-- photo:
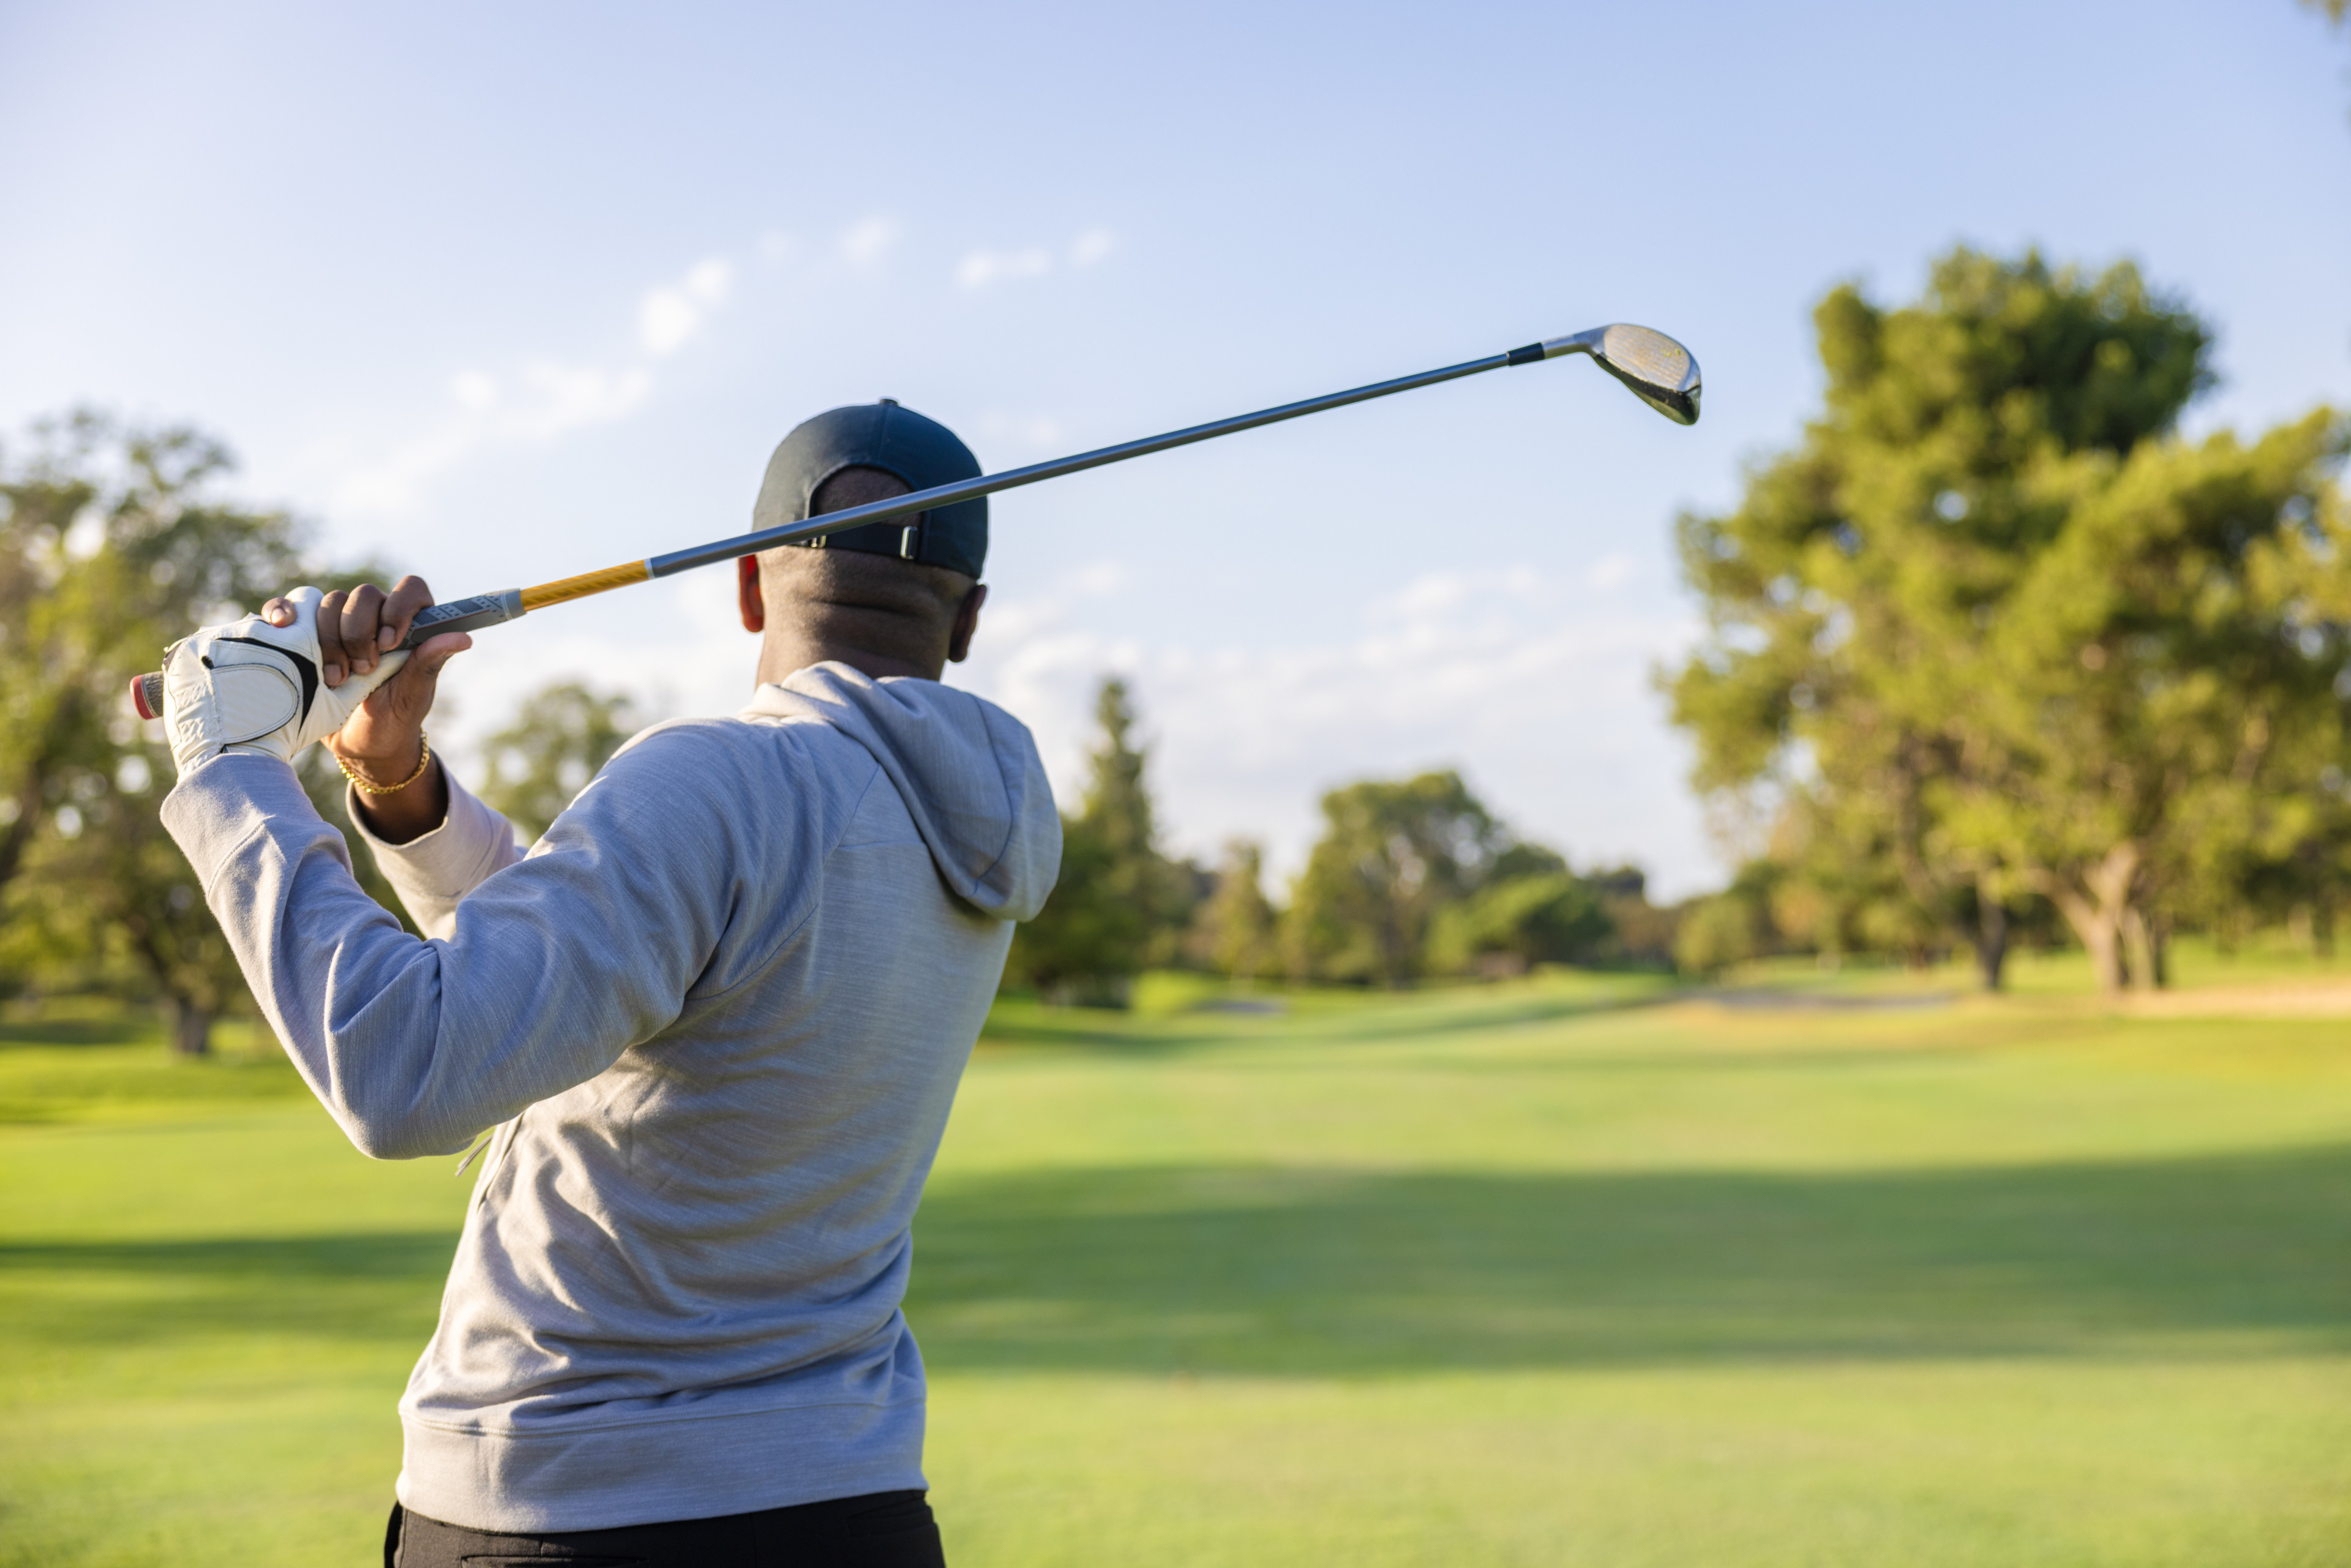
(1660, 371)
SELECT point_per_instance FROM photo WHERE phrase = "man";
(716, 1016)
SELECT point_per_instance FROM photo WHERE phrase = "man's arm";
(431, 870)
(546, 975)
(550, 969)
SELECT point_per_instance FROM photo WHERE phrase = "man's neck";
(781, 652)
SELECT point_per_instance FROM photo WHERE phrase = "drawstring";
(475, 1152)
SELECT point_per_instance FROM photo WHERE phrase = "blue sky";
(499, 293)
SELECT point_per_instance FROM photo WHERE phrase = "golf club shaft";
(490, 609)
(1661, 373)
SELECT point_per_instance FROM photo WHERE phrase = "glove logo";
(310, 672)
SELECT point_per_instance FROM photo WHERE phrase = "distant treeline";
(1411, 878)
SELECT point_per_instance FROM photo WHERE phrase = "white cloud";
(982, 268)
(543, 399)
(547, 398)
(708, 281)
(474, 390)
(673, 312)
(667, 319)
(1097, 579)
(866, 241)
(1038, 432)
(569, 396)
(392, 482)
(551, 400)
(1611, 572)
(1536, 686)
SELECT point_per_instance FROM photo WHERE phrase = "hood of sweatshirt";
(967, 771)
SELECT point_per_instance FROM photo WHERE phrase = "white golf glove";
(252, 686)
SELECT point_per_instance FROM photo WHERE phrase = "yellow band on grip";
(586, 583)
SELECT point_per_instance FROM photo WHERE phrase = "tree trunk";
(2146, 950)
(2102, 935)
(191, 1027)
(2095, 910)
(1990, 937)
(19, 833)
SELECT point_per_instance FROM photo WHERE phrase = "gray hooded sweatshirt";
(716, 1016)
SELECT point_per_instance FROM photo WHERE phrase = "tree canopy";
(113, 543)
(1391, 855)
(1119, 903)
(1992, 631)
(561, 737)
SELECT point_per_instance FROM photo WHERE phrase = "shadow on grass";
(65, 1086)
(1750, 999)
(1684, 1058)
(1459, 1012)
(1356, 1018)
(1313, 1272)
(1333, 1273)
(127, 1029)
(1089, 1028)
(355, 1286)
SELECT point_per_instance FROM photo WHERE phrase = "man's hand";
(257, 685)
(382, 741)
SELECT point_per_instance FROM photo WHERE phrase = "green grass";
(1561, 1272)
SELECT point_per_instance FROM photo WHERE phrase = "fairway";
(1563, 1270)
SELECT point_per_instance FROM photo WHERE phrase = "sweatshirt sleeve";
(433, 872)
(552, 966)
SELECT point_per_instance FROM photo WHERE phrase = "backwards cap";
(898, 441)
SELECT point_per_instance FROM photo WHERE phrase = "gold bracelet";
(364, 788)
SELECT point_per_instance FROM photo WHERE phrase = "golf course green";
(1572, 1269)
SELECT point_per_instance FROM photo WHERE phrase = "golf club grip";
(464, 615)
(457, 615)
(147, 693)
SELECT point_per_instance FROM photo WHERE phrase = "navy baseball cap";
(898, 441)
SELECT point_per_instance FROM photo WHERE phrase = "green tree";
(1641, 934)
(1233, 933)
(112, 544)
(1993, 632)
(1119, 903)
(1513, 922)
(1391, 855)
(1734, 926)
(560, 737)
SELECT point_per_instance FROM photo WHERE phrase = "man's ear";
(747, 593)
(967, 622)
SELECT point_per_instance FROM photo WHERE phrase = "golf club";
(1659, 372)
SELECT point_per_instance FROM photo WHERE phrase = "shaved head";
(875, 612)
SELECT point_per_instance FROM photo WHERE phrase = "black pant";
(879, 1529)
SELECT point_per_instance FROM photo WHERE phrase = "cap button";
(890, 403)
